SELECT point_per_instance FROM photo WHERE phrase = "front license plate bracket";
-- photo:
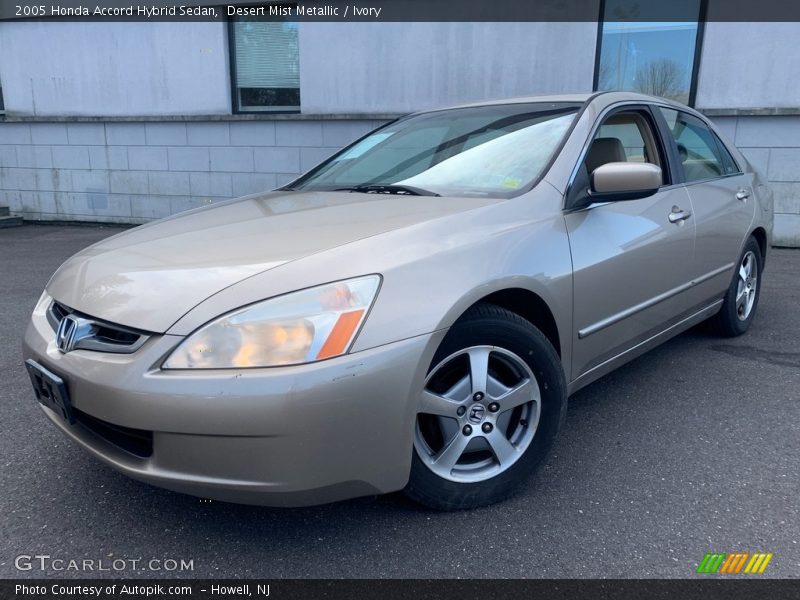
(50, 390)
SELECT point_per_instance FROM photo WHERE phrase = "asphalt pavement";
(692, 448)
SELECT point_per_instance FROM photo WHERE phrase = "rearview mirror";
(624, 181)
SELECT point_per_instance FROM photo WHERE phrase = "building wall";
(145, 69)
(51, 68)
(403, 67)
(132, 172)
(753, 67)
(749, 66)
(138, 171)
(144, 85)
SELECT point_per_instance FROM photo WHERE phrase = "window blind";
(266, 55)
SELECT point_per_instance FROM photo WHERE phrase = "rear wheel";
(741, 299)
(491, 406)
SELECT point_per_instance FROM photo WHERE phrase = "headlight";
(300, 327)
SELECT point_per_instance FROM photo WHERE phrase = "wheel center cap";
(476, 413)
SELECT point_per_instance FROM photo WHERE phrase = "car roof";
(576, 98)
(602, 99)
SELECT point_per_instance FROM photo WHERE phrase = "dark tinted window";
(699, 152)
(727, 158)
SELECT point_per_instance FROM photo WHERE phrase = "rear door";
(723, 206)
(630, 259)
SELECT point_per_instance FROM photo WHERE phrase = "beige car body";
(605, 283)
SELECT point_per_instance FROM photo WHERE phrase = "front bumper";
(281, 436)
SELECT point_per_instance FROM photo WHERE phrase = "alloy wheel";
(478, 414)
(747, 285)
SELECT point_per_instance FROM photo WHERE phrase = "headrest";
(605, 150)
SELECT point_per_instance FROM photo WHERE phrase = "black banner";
(394, 10)
(461, 589)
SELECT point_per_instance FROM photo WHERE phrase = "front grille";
(138, 442)
(59, 312)
(111, 335)
(96, 334)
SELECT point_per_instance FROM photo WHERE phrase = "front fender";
(433, 271)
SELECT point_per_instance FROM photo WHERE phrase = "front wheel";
(493, 401)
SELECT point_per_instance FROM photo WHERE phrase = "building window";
(652, 57)
(265, 66)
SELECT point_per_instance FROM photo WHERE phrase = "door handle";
(742, 195)
(677, 215)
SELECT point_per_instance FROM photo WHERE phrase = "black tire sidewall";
(728, 320)
(495, 326)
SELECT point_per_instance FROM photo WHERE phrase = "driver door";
(631, 260)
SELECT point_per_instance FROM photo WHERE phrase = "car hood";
(149, 277)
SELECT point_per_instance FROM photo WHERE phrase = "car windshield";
(495, 150)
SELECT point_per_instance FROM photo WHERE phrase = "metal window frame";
(236, 108)
(698, 46)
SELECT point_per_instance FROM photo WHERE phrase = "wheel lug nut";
(478, 396)
(487, 428)
(494, 407)
(461, 410)
(467, 430)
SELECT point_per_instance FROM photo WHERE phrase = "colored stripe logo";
(734, 563)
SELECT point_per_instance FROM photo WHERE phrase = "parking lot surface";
(692, 448)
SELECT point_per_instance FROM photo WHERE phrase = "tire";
(735, 316)
(524, 403)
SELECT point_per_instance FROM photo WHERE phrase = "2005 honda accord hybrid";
(411, 314)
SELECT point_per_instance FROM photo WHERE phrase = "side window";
(699, 152)
(623, 137)
(728, 162)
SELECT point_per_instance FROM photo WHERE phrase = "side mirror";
(624, 181)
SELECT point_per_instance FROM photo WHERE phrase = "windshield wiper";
(400, 190)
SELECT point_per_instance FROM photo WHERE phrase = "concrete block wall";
(133, 172)
(772, 145)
